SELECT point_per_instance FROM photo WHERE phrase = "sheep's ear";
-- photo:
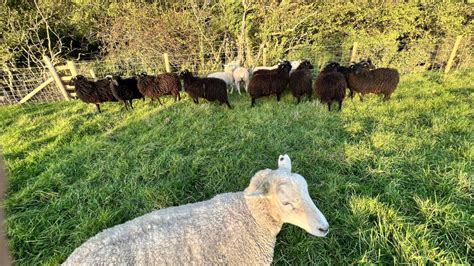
(259, 185)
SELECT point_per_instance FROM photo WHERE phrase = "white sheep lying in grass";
(231, 228)
(226, 76)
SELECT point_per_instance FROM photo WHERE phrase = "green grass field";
(394, 180)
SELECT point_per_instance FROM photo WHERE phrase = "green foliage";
(394, 179)
(202, 34)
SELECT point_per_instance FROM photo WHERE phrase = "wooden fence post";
(353, 53)
(93, 74)
(56, 78)
(453, 54)
(72, 68)
(264, 56)
(167, 62)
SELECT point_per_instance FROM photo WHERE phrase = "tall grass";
(393, 179)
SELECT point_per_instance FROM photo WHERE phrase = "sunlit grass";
(394, 179)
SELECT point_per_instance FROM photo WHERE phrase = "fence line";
(39, 84)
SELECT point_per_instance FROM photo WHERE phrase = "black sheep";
(95, 92)
(211, 89)
(159, 85)
(301, 81)
(379, 81)
(330, 85)
(273, 82)
(347, 70)
(125, 90)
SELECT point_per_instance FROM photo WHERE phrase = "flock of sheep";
(232, 228)
(237, 228)
(330, 84)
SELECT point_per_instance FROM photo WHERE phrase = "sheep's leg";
(351, 94)
(329, 106)
(97, 105)
(247, 86)
(361, 97)
(340, 105)
(237, 87)
(228, 104)
(386, 98)
(131, 103)
(196, 100)
(126, 105)
(253, 102)
(278, 97)
(298, 100)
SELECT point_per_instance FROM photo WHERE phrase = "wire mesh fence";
(16, 83)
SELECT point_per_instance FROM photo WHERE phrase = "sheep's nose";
(324, 230)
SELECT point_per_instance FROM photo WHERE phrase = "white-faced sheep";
(379, 81)
(95, 92)
(230, 229)
(301, 80)
(274, 82)
(125, 90)
(159, 85)
(330, 85)
(226, 76)
(211, 89)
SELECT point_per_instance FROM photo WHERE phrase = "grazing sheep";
(274, 82)
(211, 89)
(159, 85)
(241, 74)
(227, 76)
(379, 81)
(125, 90)
(301, 80)
(95, 92)
(237, 228)
(330, 85)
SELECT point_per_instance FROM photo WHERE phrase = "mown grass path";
(395, 180)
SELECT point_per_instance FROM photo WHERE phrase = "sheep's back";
(215, 89)
(268, 84)
(218, 231)
(168, 83)
(380, 80)
(147, 85)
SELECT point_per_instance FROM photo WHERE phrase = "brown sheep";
(330, 85)
(271, 83)
(159, 85)
(301, 80)
(211, 89)
(379, 81)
